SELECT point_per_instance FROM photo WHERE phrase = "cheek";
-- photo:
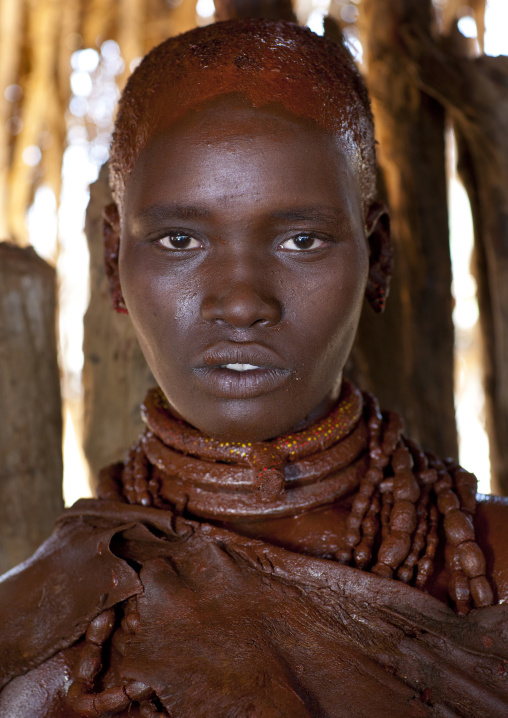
(160, 307)
(331, 307)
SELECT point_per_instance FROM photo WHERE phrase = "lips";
(226, 352)
(241, 370)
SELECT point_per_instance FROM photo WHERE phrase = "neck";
(396, 492)
(211, 479)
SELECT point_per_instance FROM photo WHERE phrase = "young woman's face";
(243, 264)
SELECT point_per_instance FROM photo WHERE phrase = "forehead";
(267, 62)
(229, 143)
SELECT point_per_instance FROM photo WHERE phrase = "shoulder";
(47, 602)
(41, 692)
(491, 523)
(493, 510)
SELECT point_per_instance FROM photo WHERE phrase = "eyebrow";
(163, 212)
(320, 214)
(160, 213)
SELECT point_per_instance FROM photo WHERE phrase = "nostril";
(242, 306)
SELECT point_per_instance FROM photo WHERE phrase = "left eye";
(302, 243)
(179, 241)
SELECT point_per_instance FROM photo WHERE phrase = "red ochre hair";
(269, 62)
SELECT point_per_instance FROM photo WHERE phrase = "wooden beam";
(475, 92)
(31, 432)
(407, 354)
(269, 9)
(115, 374)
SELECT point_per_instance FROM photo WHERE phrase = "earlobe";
(111, 235)
(381, 256)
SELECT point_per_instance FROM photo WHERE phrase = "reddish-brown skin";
(246, 235)
(240, 284)
(234, 186)
(267, 62)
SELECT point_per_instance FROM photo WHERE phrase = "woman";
(273, 545)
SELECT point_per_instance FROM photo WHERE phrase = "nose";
(241, 303)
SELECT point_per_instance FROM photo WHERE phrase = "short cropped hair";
(269, 62)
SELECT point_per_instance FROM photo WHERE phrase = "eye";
(303, 243)
(178, 240)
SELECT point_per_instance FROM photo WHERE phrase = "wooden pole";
(407, 354)
(269, 9)
(475, 92)
(31, 430)
(115, 374)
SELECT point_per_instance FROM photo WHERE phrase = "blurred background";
(63, 64)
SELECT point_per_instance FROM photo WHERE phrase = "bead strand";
(458, 585)
(426, 562)
(364, 497)
(370, 527)
(396, 547)
(407, 570)
(466, 486)
(128, 474)
(85, 701)
(109, 485)
(141, 475)
(459, 529)
(386, 490)
(393, 432)
(154, 486)
(393, 427)
(460, 534)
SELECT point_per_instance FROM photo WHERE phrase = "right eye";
(179, 240)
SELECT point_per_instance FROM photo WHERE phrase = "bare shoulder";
(491, 523)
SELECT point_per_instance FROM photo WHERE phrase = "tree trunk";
(475, 91)
(115, 374)
(31, 432)
(407, 355)
(269, 9)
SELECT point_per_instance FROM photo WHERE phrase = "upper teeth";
(241, 367)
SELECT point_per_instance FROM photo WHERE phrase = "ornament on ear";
(381, 257)
(377, 293)
(111, 235)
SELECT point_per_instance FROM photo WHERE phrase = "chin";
(238, 424)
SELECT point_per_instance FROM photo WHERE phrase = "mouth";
(241, 370)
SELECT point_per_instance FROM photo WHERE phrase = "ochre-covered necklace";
(401, 494)
(222, 480)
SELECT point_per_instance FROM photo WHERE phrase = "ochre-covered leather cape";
(233, 627)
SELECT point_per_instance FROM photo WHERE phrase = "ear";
(377, 226)
(111, 235)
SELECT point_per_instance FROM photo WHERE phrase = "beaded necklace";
(402, 493)
(402, 496)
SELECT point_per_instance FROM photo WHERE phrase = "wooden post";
(269, 9)
(475, 92)
(31, 427)
(407, 354)
(115, 374)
